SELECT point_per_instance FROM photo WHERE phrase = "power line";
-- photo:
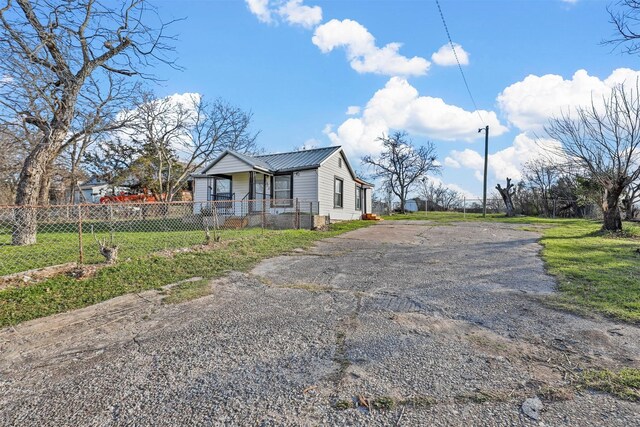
(453, 49)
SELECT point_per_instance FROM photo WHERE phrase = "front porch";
(264, 213)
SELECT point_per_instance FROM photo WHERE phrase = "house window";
(358, 197)
(338, 188)
(340, 162)
(283, 190)
(219, 188)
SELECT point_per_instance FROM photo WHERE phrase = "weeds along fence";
(74, 233)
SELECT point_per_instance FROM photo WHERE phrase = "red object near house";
(122, 197)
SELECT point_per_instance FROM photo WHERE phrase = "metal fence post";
(464, 206)
(80, 245)
(297, 224)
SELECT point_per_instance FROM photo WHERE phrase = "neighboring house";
(323, 176)
(92, 190)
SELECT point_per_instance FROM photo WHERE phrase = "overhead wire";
(453, 49)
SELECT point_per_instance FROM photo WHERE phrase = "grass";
(240, 253)
(59, 243)
(187, 291)
(596, 271)
(624, 384)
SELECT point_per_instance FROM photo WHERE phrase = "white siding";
(327, 173)
(229, 164)
(305, 185)
(199, 193)
(240, 185)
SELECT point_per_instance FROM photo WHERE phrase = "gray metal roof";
(305, 159)
(283, 162)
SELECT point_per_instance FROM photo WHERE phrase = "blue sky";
(299, 65)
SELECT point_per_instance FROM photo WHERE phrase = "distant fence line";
(73, 233)
(555, 208)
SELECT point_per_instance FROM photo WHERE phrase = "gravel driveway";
(428, 324)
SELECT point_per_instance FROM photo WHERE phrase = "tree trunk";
(507, 194)
(28, 192)
(44, 197)
(612, 219)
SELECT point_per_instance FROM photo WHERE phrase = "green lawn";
(238, 251)
(595, 271)
(59, 243)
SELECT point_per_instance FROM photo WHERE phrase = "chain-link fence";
(553, 208)
(43, 236)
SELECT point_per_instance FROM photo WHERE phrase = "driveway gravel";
(401, 323)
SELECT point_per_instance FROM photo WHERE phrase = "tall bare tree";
(51, 53)
(603, 139)
(401, 164)
(625, 17)
(170, 138)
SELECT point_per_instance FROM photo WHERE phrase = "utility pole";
(486, 160)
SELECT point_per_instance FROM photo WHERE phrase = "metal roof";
(285, 162)
(305, 159)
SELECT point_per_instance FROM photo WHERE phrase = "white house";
(323, 176)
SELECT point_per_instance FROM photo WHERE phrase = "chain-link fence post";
(80, 243)
(464, 207)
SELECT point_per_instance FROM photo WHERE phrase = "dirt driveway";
(429, 324)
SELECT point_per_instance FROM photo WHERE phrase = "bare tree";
(604, 140)
(507, 193)
(625, 17)
(450, 199)
(178, 137)
(541, 176)
(401, 164)
(51, 52)
(438, 197)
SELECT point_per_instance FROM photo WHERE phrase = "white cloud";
(260, 8)
(399, 106)
(448, 161)
(530, 103)
(445, 55)
(362, 52)
(507, 162)
(352, 110)
(294, 12)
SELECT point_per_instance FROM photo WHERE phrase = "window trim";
(212, 193)
(274, 199)
(358, 197)
(335, 179)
